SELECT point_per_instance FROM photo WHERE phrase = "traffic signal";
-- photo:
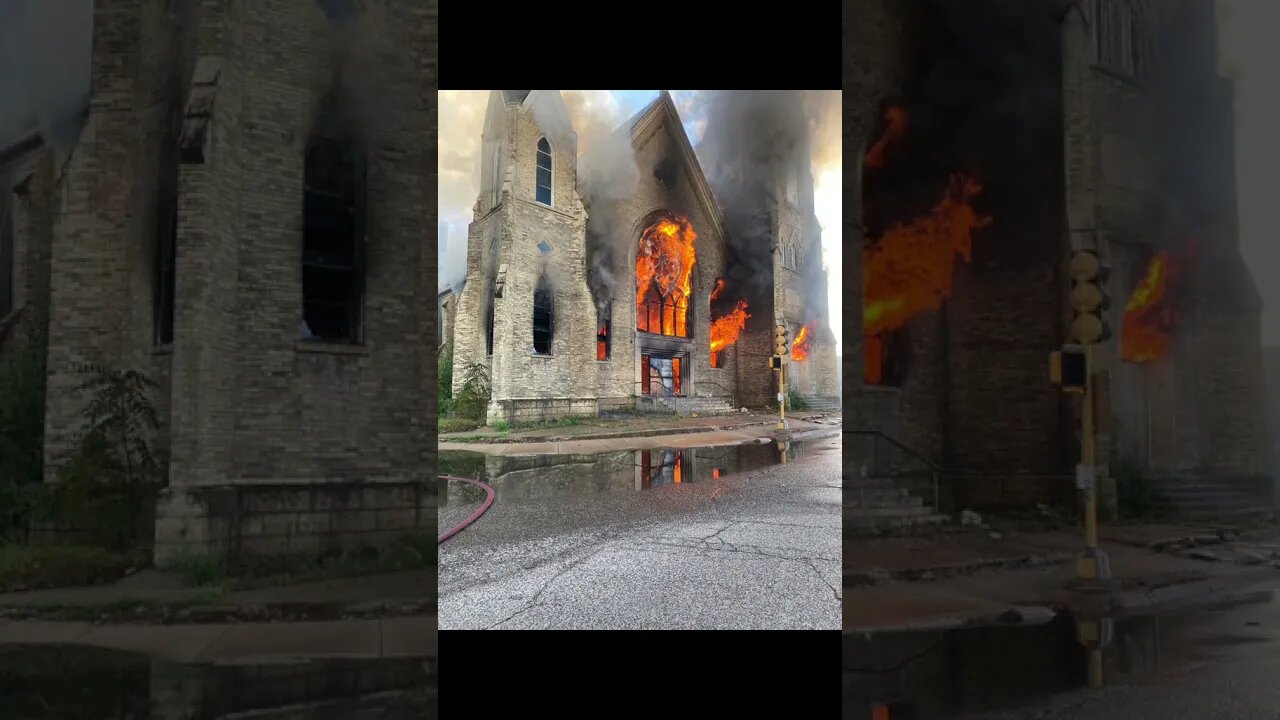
(1089, 298)
(1069, 369)
(775, 363)
(779, 339)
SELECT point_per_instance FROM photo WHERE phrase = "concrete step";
(822, 403)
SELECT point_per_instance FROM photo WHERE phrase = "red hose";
(475, 515)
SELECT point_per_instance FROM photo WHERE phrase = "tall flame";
(1151, 315)
(666, 257)
(803, 343)
(895, 128)
(910, 270)
(726, 329)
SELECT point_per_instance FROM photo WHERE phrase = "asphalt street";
(1217, 664)
(753, 550)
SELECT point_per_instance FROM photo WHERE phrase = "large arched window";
(333, 232)
(544, 172)
(543, 319)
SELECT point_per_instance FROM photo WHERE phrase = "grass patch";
(29, 567)
(458, 424)
(502, 426)
(411, 552)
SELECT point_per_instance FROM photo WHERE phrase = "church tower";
(525, 311)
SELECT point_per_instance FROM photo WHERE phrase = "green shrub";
(201, 569)
(444, 381)
(25, 567)
(794, 401)
(111, 482)
(472, 400)
(22, 391)
(1136, 495)
(501, 426)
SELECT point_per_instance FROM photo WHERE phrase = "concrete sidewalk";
(971, 577)
(674, 438)
(163, 594)
(384, 638)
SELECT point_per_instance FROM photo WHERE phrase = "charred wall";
(980, 86)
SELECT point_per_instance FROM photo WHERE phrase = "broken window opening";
(544, 172)
(7, 270)
(164, 268)
(542, 318)
(604, 321)
(893, 357)
(333, 234)
(663, 315)
(717, 359)
(488, 326)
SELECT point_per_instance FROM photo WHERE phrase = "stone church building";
(241, 213)
(557, 341)
(1100, 125)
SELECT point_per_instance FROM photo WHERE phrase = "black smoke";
(753, 139)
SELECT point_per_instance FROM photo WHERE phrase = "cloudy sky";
(462, 118)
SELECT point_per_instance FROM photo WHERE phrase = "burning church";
(625, 276)
(997, 138)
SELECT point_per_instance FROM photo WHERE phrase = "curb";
(1014, 616)
(146, 612)
(1189, 592)
(604, 436)
(947, 570)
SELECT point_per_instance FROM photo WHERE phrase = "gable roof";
(663, 111)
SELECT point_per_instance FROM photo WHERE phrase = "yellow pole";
(1086, 457)
(1093, 564)
(782, 394)
(1095, 667)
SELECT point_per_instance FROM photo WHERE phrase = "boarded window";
(333, 234)
(544, 172)
(542, 318)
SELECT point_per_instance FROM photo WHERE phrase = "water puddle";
(524, 477)
(959, 673)
(73, 682)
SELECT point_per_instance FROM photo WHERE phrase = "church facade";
(577, 305)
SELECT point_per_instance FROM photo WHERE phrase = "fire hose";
(475, 515)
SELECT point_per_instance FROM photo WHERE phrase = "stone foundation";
(537, 409)
(235, 522)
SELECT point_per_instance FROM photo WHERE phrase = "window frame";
(337, 137)
(550, 168)
(543, 291)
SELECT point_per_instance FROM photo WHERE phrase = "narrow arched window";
(543, 319)
(544, 172)
(333, 233)
(488, 325)
(164, 262)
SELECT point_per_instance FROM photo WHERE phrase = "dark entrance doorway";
(662, 373)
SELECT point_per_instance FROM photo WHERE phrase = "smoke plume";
(45, 46)
(607, 174)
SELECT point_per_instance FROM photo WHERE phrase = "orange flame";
(725, 330)
(1150, 316)
(896, 119)
(666, 257)
(801, 346)
(910, 270)
(719, 287)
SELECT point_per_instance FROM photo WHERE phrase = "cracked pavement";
(751, 550)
